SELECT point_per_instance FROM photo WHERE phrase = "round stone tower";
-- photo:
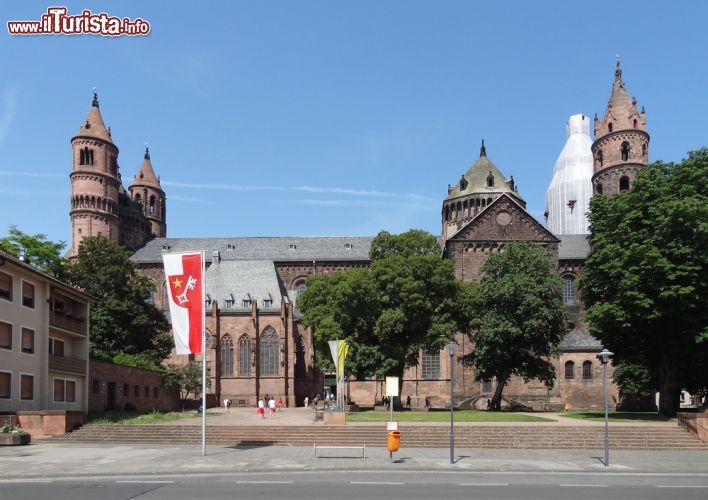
(147, 191)
(621, 146)
(95, 181)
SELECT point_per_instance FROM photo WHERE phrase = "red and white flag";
(185, 290)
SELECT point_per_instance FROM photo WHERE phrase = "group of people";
(272, 405)
(329, 399)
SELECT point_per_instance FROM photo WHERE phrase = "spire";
(482, 150)
(618, 72)
(94, 126)
(146, 174)
(621, 112)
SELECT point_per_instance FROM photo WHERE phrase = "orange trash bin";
(394, 440)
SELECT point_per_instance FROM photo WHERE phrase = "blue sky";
(331, 117)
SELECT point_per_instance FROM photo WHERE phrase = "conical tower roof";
(621, 110)
(477, 179)
(146, 174)
(94, 126)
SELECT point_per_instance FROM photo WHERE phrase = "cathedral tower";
(621, 146)
(95, 181)
(147, 191)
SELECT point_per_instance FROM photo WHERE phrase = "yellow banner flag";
(342, 350)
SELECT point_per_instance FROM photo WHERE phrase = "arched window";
(137, 198)
(587, 370)
(82, 157)
(624, 183)
(152, 205)
(599, 156)
(569, 370)
(430, 364)
(244, 356)
(227, 356)
(598, 188)
(635, 123)
(609, 127)
(300, 287)
(490, 180)
(269, 353)
(625, 151)
(569, 290)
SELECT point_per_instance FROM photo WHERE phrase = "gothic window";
(625, 151)
(609, 127)
(490, 180)
(587, 370)
(624, 183)
(227, 356)
(244, 356)
(569, 290)
(430, 365)
(270, 348)
(569, 370)
(82, 157)
(152, 205)
(635, 123)
(300, 287)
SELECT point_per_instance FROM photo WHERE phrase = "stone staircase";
(412, 436)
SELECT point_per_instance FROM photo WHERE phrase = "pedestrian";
(280, 404)
(261, 408)
(408, 401)
(271, 407)
(307, 402)
(489, 404)
(428, 403)
(227, 404)
(315, 400)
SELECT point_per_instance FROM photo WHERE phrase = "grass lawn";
(444, 416)
(617, 416)
(155, 417)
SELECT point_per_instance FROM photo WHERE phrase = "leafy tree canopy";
(521, 320)
(36, 249)
(645, 281)
(406, 301)
(122, 319)
(186, 378)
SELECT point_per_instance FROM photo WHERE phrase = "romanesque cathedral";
(256, 343)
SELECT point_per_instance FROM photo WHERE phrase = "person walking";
(408, 401)
(307, 402)
(280, 404)
(261, 408)
(271, 407)
(227, 404)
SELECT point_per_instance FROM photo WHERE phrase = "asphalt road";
(368, 485)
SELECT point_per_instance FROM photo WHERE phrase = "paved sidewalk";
(45, 460)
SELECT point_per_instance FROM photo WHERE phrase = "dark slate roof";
(277, 248)
(239, 280)
(574, 246)
(579, 340)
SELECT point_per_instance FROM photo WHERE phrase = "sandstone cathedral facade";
(256, 343)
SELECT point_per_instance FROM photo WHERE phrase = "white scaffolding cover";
(568, 195)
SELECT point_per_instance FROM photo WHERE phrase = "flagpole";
(204, 360)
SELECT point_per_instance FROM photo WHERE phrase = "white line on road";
(680, 486)
(376, 483)
(482, 484)
(584, 485)
(26, 480)
(145, 482)
(264, 482)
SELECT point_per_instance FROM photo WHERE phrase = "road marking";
(584, 485)
(680, 486)
(264, 482)
(26, 480)
(483, 484)
(376, 483)
(145, 482)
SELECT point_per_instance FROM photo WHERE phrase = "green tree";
(406, 301)
(36, 250)
(635, 385)
(122, 319)
(187, 379)
(644, 282)
(521, 321)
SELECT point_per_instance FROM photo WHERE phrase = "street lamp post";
(452, 348)
(604, 358)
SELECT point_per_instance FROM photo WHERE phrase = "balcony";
(66, 364)
(67, 322)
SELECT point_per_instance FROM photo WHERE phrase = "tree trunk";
(496, 399)
(669, 388)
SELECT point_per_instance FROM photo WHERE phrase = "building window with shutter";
(5, 286)
(27, 294)
(5, 335)
(27, 340)
(26, 387)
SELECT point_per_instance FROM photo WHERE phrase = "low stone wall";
(695, 422)
(43, 423)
